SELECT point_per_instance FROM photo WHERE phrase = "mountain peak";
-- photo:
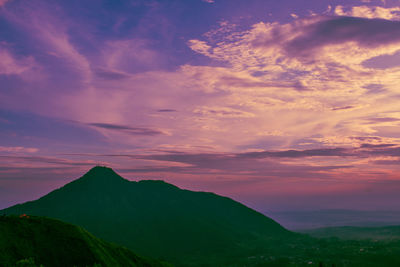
(96, 170)
(101, 173)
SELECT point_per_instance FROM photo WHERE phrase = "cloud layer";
(303, 100)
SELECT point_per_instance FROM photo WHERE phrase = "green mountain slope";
(154, 218)
(54, 243)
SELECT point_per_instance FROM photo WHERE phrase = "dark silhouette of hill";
(187, 228)
(51, 242)
(154, 218)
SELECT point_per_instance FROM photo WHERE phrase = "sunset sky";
(281, 105)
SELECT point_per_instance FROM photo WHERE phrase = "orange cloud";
(370, 12)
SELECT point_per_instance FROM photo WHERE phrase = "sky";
(282, 105)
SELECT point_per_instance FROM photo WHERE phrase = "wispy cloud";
(44, 160)
(49, 25)
(10, 64)
(325, 152)
(111, 74)
(338, 163)
(127, 129)
(166, 110)
(343, 108)
(247, 165)
(18, 149)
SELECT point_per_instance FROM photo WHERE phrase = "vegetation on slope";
(51, 243)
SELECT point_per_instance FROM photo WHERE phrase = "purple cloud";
(383, 61)
(377, 146)
(324, 152)
(336, 30)
(166, 110)
(127, 129)
(383, 119)
(342, 108)
(111, 74)
(46, 160)
(375, 88)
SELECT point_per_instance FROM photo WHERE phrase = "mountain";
(157, 219)
(187, 228)
(51, 242)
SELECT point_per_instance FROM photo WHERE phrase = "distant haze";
(301, 220)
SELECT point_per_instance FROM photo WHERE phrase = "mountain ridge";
(154, 218)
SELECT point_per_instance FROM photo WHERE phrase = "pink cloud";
(18, 149)
(3, 2)
(130, 56)
(13, 65)
(45, 24)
